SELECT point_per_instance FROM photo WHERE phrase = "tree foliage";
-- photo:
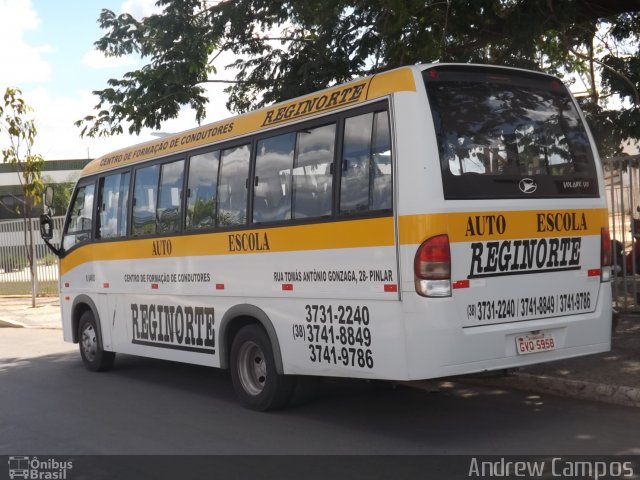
(317, 44)
(20, 132)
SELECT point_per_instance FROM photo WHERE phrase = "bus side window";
(201, 190)
(169, 208)
(272, 192)
(113, 199)
(366, 164)
(381, 189)
(80, 217)
(232, 189)
(312, 177)
(356, 163)
(144, 201)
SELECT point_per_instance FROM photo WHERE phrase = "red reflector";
(66, 284)
(154, 286)
(219, 286)
(105, 285)
(287, 286)
(391, 287)
(594, 272)
(461, 284)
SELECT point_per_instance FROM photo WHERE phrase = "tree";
(21, 132)
(323, 43)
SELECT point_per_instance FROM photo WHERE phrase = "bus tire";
(94, 357)
(253, 371)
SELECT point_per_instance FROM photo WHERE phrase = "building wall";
(11, 198)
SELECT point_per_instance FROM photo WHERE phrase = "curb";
(599, 392)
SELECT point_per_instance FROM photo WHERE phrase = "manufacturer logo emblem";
(527, 185)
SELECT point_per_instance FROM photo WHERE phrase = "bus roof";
(308, 106)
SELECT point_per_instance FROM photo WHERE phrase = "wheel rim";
(252, 368)
(89, 343)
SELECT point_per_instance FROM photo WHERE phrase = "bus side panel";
(335, 311)
(342, 338)
(169, 327)
(65, 311)
(362, 339)
(78, 289)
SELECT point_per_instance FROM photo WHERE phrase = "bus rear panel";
(507, 256)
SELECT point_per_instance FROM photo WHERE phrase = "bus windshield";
(505, 134)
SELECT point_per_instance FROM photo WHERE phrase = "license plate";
(533, 343)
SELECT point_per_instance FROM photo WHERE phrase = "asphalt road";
(50, 403)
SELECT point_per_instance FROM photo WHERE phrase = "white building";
(54, 171)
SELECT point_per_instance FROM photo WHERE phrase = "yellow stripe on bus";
(376, 232)
(485, 226)
(321, 236)
(325, 101)
(383, 84)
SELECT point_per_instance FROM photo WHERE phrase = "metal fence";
(15, 275)
(622, 184)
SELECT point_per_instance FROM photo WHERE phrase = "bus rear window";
(503, 134)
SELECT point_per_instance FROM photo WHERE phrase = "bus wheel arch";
(81, 304)
(87, 332)
(238, 317)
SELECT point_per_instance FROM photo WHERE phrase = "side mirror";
(46, 226)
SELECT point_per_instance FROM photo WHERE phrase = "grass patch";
(49, 288)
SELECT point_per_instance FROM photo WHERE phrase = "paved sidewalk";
(16, 311)
(612, 377)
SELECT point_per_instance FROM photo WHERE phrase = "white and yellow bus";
(424, 222)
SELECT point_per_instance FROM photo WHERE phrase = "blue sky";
(46, 49)
(71, 28)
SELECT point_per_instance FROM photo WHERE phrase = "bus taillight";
(432, 267)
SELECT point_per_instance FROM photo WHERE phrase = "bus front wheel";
(94, 357)
(253, 371)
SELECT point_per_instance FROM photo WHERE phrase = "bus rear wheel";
(94, 357)
(253, 371)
